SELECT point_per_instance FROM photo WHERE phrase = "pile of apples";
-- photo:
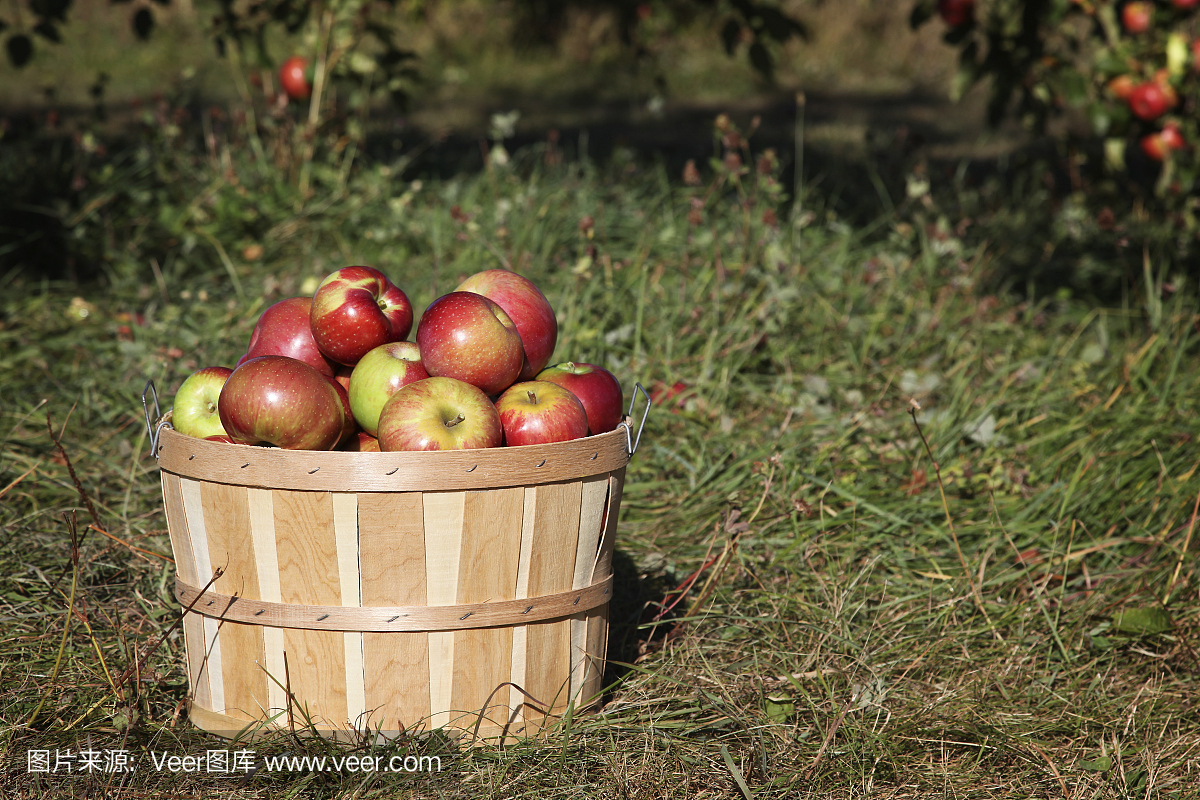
(335, 371)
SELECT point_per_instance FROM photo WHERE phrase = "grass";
(948, 529)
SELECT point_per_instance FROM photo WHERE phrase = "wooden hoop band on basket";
(395, 618)
(437, 471)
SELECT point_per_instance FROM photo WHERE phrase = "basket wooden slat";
(209, 671)
(551, 570)
(266, 560)
(597, 623)
(591, 518)
(229, 542)
(185, 568)
(316, 667)
(394, 544)
(491, 545)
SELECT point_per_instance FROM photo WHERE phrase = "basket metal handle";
(631, 441)
(155, 423)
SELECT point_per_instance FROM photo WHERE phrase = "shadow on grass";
(636, 599)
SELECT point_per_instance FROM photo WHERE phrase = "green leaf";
(1074, 88)
(1142, 621)
(1102, 764)
(761, 60)
(1100, 119)
(779, 709)
(1109, 62)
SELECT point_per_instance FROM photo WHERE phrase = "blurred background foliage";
(999, 123)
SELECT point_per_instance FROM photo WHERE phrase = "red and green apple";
(528, 308)
(356, 309)
(439, 414)
(284, 330)
(293, 77)
(597, 389)
(281, 401)
(1136, 16)
(540, 412)
(466, 336)
(379, 375)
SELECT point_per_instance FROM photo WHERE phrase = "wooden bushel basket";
(384, 592)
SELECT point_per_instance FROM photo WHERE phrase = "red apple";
(1172, 137)
(528, 308)
(284, 330)
(1153, 146)
(349, 425)
(379, 375)
(661, 393)
(341, 374)
(284, 402)
(1148, 101)
(1121, 86)
(356, 309)
(361, 442)
(195, 410)
(956, 12)
(597, 389)
(1136, 16)
(439, 414)
(1185, 5)
(1163, 78)
(293, 77)
(221, 437)
(466, 336)
(1157, 145)
(540, 412)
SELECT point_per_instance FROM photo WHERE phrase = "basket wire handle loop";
(630, 441)
(162, 423)
(152, 430)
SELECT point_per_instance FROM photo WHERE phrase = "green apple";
(378, 375)
(195, 410)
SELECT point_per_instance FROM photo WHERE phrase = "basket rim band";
(394, 619)
(341, 471)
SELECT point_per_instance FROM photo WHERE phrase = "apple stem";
(532, 397)
(452, 422)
